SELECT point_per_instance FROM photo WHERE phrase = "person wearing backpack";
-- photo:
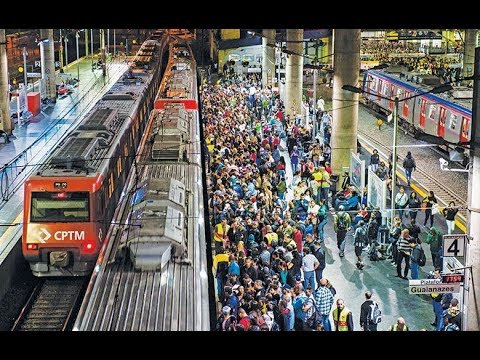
(409, 165)
(417, 257)
(360, 241)
(370, 314)
(341, 224)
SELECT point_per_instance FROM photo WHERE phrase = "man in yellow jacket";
(342, 317)
(399, 326)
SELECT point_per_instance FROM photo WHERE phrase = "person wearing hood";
(434, 239)
(409, 165)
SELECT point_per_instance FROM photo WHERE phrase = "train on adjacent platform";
(153, 272)
(447, 116)
(71, 198)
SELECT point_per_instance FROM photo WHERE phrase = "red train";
(71, 199)
(446, 116)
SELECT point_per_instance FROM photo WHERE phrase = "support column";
(211, 38)
(268, 57)
(294, 72)
(5, 122)
(103, 54)
(469, 54)
(345, 103)
(86, 42)
(60, 50)
(471, 308)
(330, 50)
(48, 63)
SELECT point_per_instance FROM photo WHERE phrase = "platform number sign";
(454, 245)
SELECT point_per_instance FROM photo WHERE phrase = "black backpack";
(342, 222)
(422, 259)
(409, 163)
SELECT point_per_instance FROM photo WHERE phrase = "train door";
(465, 133)
(422, 113)
(441, 122)
(392, 95)
(405, 105)
(380, 84)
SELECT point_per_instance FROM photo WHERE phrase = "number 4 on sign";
(454, 245)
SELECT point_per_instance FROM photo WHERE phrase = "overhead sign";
(37, 63)
(64, 75)
(437, 288)
(454, 245)
(33, 74)
(424, 282)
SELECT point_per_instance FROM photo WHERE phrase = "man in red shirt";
(244, 319)
(298, 238)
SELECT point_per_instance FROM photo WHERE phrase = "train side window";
(111, 185)
(432, 113)
(373, 84)
(119, 166)
(453, 121)
(465, 127)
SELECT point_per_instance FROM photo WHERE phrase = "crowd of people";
(409, 55)
(269, 235)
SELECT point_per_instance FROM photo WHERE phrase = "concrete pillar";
(294, 72)
(211, 41)
(268, 57)
(345, 103)
(103, 52)
(5, 122)
(329, 60)
(47, 55)
(469, 54)
(86, 42)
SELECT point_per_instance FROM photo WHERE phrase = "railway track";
(422, 179)
(52, 305)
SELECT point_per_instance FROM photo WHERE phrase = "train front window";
(60, 207)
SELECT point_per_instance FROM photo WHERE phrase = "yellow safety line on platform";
(418, 190)
(6, 234)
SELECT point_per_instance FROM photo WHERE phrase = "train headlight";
(32, 246)
(88, 247)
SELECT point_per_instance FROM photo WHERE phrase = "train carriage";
(153, 273)
(71, 198)
(446, 116)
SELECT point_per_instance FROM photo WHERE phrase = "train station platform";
(33, 139)
(379, 277)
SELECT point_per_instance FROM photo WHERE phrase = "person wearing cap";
(227, 322)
